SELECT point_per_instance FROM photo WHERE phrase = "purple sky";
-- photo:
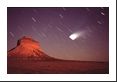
(53, 26)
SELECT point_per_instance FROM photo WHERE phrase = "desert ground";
(57, 67)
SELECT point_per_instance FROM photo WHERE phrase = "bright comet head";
(73, 36)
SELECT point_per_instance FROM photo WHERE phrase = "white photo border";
(58, 3)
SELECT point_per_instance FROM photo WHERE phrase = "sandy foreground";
(57, 67)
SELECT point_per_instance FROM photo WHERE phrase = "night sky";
(53, 26)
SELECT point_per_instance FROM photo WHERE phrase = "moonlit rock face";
(73, 36)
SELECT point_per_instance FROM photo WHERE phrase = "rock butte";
(28, 48)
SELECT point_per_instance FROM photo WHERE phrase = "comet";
(76, 35)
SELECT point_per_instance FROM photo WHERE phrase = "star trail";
(52, 27)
